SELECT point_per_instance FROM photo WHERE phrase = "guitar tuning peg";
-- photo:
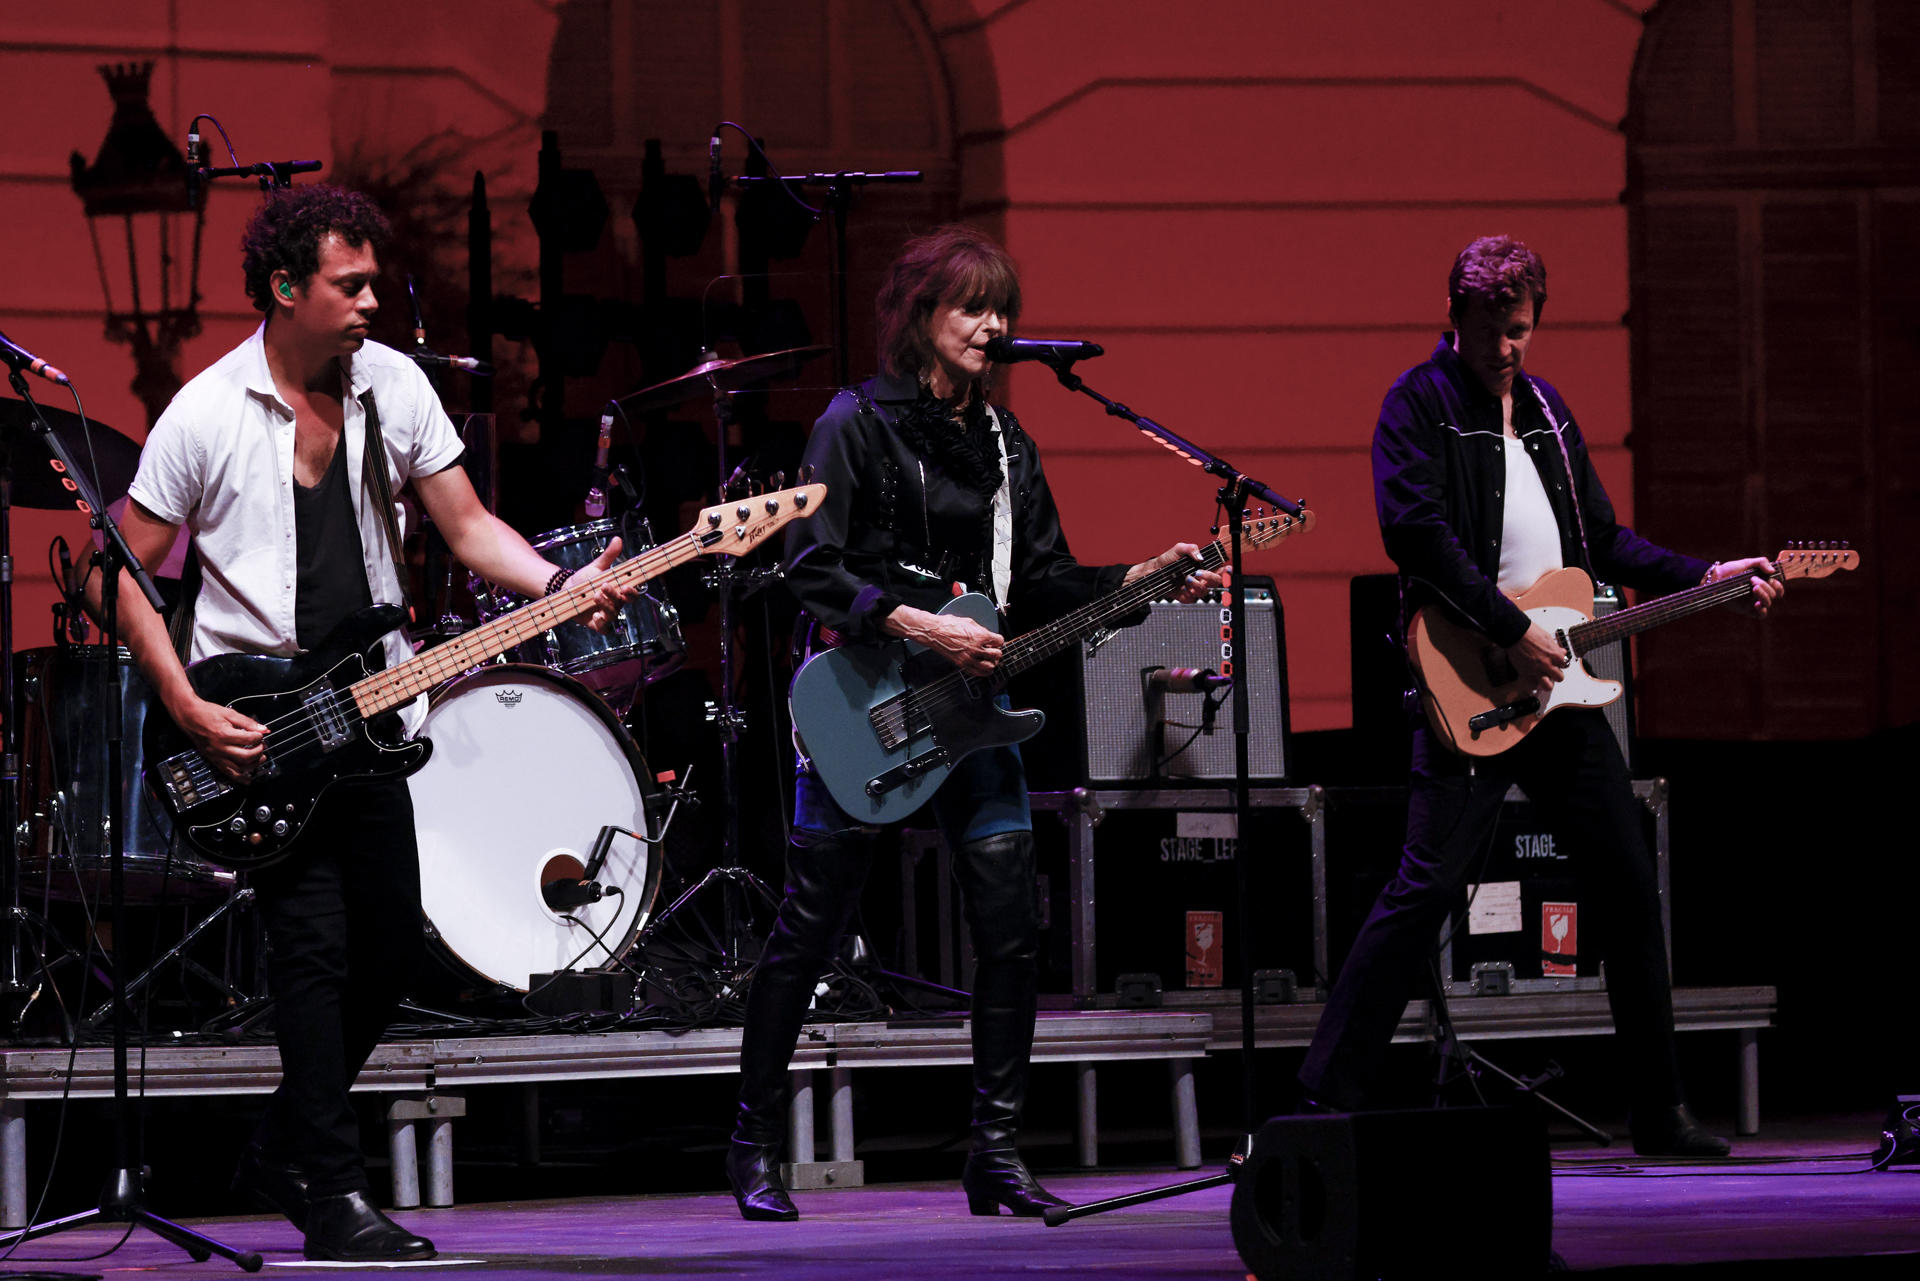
(806, 474)
(778, 481)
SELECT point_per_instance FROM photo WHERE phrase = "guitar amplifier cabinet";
(1105, 727)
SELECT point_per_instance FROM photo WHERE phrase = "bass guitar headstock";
(737, 527)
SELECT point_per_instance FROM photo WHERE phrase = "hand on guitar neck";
(1768, 585)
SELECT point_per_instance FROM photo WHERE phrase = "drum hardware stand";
(1236, 490)
(123, 1195)
(241, 897)
(16, 996)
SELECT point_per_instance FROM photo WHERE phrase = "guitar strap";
(180, 626)
(373, 472)
(1573, 485)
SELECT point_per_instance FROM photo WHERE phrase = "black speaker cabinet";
(1107, 728)
(1457, 1193)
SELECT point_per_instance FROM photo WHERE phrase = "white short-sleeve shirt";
(220, 462)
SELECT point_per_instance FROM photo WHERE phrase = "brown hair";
(1497, 271)
(953, 265)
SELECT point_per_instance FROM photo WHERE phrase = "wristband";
(559, 580)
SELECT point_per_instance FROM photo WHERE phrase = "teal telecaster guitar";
(886, 724)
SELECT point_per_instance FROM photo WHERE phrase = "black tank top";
(332, 579)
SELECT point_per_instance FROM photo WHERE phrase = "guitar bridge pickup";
(1498, 716)
(902, 774)
(188, 780)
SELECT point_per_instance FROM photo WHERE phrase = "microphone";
(716, 181)
(478, 368)
(565, 894)
(596, 504)
(24, 361)
(1052, 350)
(194, 163)
(419, 325)
(578, 891)
(1185, 680)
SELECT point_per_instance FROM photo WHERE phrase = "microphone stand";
(840, 187)
(271, 173)
(1236, 490)
(123, 1196)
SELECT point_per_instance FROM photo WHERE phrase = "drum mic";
(565, 895)
(568, 892)
(1184, 680)
(596, 504)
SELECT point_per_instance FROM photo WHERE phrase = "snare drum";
(527, 768)
(642, 645)
(63, 749)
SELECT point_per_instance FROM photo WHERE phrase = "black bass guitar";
(326, 711)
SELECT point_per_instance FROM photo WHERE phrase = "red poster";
(1559, 939)
(1206, 950)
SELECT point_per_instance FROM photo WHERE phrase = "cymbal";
(36, 483)
(718, 375)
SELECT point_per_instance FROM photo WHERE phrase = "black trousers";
(1571, 769)
(344, 940)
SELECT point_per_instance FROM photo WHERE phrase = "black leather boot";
(824, 879)
(753, 1172)
(349, 1228)
(271, 1184)
(1674, 1131)
(997, 879)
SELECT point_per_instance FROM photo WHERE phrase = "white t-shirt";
(1529, 534)
(220, 461)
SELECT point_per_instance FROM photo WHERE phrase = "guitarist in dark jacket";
(929, 490)
(1483, 484)
(263, 458)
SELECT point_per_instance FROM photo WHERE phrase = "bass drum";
(527, 767)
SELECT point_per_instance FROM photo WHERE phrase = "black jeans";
(1571, 769)
(344, 939)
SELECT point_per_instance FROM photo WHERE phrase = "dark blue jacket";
(1439, 469)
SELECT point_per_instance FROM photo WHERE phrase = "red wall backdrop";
(1252, 205)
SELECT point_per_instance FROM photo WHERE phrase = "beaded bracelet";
(559, 580)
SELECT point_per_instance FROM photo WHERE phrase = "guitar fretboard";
(1623, 623)
(395, 686)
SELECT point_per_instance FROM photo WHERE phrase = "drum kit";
(533, 778)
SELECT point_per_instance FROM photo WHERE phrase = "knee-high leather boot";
(997, 879)
(823, 888)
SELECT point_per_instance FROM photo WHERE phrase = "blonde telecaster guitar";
(1478, 705)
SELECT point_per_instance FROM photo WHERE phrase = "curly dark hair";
(954, 264)
(284, 234)
(1497, 271)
